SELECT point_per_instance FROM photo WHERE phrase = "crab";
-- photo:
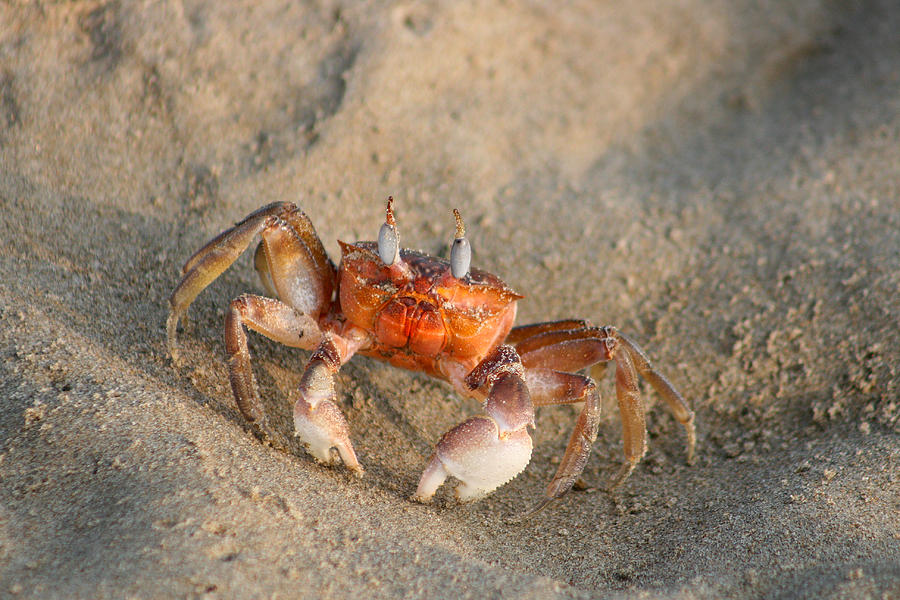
(428, 314)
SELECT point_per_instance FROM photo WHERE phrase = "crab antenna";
(460, 226)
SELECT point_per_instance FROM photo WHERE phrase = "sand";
(719, 179)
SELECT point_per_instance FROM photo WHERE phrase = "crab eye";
(388, 238)
(460, 257)
(460, 251)
(388, 245)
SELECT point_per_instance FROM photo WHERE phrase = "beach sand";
(718, 179)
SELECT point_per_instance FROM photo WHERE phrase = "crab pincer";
(318, 422)
(486, 451)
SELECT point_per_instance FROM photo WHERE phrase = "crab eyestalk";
(389, 237)
(461, 250)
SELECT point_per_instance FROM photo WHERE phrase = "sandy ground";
(718, 178)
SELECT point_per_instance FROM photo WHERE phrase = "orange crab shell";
(418, 312)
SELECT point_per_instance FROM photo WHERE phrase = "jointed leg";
(292, 264)
(568, 350)
(295, 263)
(523, 332)
(634, 423)
(675, 401)
(275, 320)
(553, 346)
(554, 387)
(318, 422)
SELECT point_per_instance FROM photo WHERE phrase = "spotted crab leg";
(488, 450)
(557, 347)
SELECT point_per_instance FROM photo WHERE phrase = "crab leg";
(555, 345)
(517, 334)
(634, 422)
(485, 451)
(296, 265)
(555, 387)
(318, 421)
(275, 320)
(675, 401)
(571, 350)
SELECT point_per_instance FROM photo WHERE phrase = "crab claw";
(318, 422)
(479, 455)
(486, 451)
